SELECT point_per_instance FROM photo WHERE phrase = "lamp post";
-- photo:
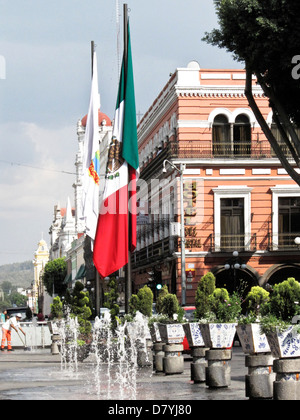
(182, 232)
(234, 265)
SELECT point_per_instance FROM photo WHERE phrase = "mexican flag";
(116, 229)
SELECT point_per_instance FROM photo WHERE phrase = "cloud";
(30, 187)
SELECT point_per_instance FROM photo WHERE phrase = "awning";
(67, 279)
(81, 272)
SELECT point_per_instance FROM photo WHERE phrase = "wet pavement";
(39, 375)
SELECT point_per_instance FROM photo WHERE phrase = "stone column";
(144, 353)
(54, 346)
(218, 371)
(158, 356)
(287, 384)
(198, 365)
(173, 361)
(260, 378)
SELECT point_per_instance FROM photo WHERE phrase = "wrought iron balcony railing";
(209, 149)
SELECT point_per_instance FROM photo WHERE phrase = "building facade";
(241, 209)
(39, 298)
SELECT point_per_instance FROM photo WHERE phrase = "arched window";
(242, 136)
(221, 136)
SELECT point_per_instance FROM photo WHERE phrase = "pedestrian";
(40, 316)
(11, 323)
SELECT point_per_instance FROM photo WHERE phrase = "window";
(242, 136)
(288, 220)
(276, 133)
(221, 136)
(231, 139)
(232, 217)
(286, 212)
(232, 224)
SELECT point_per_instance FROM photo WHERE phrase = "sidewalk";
(37, 375)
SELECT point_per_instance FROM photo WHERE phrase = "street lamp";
(182, 232)
(235, 265)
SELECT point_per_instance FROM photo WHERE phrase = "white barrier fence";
(37, 335)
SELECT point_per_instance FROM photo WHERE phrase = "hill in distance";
(18, 274)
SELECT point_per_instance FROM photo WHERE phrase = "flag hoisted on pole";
(91, 159)
(116, 230)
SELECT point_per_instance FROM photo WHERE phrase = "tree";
(111, 299)
(264, 34)
(79, 303)
(142, 302)
(53, 277)
(205, 289)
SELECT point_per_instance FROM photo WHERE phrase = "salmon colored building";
(241, 209)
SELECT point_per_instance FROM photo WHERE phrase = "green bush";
(162, 293)
(256, 298)
(79, 304)
(57, 308)
(225, 308)
(284, 300)
(111, 299)
(205, 289)
(142, 302)
(170, 305)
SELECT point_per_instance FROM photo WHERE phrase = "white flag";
(91, 160)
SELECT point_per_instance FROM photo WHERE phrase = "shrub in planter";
(205, 289)
(283, 338)
(256, 298)
(79, 304)
(142, 302)
(219, 329)
(170, 327)
(251, 338)
(162, 293)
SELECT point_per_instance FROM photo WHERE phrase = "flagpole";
(128, 283)
(92, 55)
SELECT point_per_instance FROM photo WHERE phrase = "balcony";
(201, 149)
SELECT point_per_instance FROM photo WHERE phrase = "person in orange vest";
(11, 323)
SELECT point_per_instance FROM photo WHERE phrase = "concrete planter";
(284, 344)
(218, 336)
(193, 334)
(155, 334)
(173, 362)
(171, 333)
(252, 341)
(196, 343)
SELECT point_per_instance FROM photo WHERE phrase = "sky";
(45, 77)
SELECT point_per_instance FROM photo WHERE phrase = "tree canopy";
(54, 274)
(265, 35)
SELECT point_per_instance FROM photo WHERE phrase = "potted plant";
(79, 305)
(170, 326)
(172, 333)
(248, 328)
(205, 289)
(276, 323)
(219, 328)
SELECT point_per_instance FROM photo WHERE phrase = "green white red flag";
(116, 230)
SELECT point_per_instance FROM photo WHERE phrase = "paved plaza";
(39, 375)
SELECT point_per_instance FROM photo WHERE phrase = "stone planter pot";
(284, 344)
(193, 334)
(171, 333)
(252, 341)
(218, 336)
(196, 343)
(155, 334)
